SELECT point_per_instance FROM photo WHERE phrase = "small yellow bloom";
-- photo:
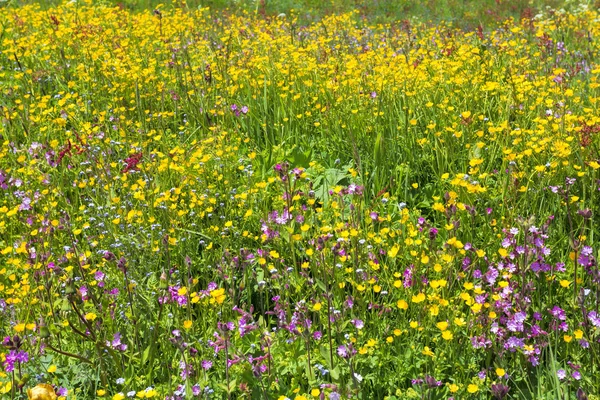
(427, 352)
(52, 369)
(500, 372)
(315, 392)
(187, 324)
(418, 298)
(218, 296)
(90, 316)
(472, 388)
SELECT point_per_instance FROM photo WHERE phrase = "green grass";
(463, 13)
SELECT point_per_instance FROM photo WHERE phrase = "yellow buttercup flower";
(42, 391)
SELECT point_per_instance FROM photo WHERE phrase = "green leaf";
(328, 180)
(335, 373)
(146, 354)
(299, 158)
(325, 354)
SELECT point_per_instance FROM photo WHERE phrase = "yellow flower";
(100, 392)
(403, 305)
(90, 316)
(418, 298)
(187, 324)
(453, 388)
(42, 391)
(315, 392)
(427, 352)
(218, 295)
(317, 307)
(447, 335)
(472, 388)
(118, 396)
(52, 369)
(5, 388)
(500, 372)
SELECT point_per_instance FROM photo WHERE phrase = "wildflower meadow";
(230, 203)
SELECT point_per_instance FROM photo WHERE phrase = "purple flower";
(513, 343)
(499, 391)
(558, 313)
(13, 357)
(343, 351)
(359, 324)
(594, 318)
(196, 390)
(116, 343)
(561, 373)
(206, 364)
